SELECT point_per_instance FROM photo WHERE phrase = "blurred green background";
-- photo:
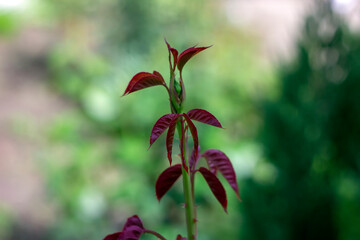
(283, 78)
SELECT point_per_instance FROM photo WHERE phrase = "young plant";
(216, 160)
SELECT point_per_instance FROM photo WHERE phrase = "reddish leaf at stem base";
(132, 230)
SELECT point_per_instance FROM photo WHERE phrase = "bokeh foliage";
(293, 137)
(310, 138)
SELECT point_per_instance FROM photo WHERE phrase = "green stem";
(188, 195)
(192, 176)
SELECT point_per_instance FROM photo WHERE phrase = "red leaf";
(132, 233)
(217, 160)
(174, 52)
(193, 133)
(179, 237)
(170, 136)
(114, 236)
(160, 126)
(182, 141)
(166, 179)
(133, 221)
(133, 229)
(215, 186)
(187, 54)
(193, 160)
(144, 80)
(204, 116)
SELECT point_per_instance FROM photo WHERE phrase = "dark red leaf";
(182, 141)
(132, 233)
(132, 229)
(144, 80)
(160, 126)
(170, 137)
(193, 133)
(159, 75)
(193, 160)
(179, 237)
(174, 53)
(217, 160)
(187, 54)
(166, 179)
(114, 236)
(204, 116)
(215, 186)
(133, 221)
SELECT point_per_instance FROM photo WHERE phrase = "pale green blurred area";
(78, 152)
